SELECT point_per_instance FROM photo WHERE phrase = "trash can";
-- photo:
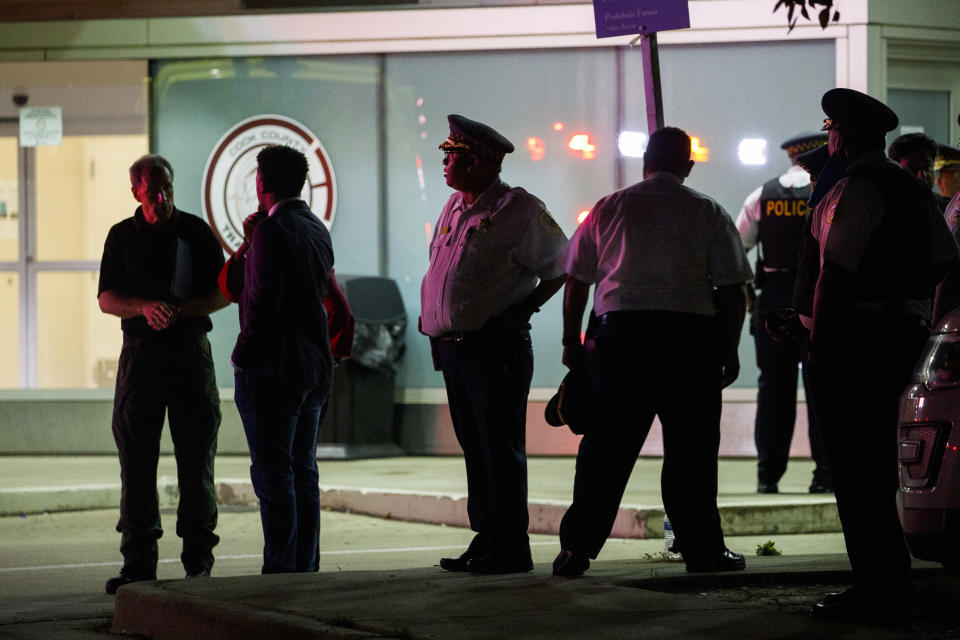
(359, 419)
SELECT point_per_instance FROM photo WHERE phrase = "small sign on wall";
(41, 126)
(633, 17)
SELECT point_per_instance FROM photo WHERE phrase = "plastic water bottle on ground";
(669, 541)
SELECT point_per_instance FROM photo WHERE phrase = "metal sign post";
(651, 82)
(644, 17)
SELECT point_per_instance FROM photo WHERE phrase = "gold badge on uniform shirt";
(444, 230)
(832, 212)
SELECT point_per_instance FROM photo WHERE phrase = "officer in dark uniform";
(773, 218)
(883, 247)
(948, 181)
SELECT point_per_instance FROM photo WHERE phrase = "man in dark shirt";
(282, 360)
(159, 275)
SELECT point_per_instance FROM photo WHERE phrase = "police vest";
(783, 212)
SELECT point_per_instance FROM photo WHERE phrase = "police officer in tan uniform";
(491, 268)
(772, 219)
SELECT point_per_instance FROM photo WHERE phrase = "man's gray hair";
(146, 164)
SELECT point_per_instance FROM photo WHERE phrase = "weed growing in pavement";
(768, 548)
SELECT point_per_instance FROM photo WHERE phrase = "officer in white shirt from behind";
(669, 271)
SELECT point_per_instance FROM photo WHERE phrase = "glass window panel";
(539, 100)
(921, 109)
(776, 95)
(83, 188)
(78, 345)
(9, 198)
(10, 334)
(196, 101)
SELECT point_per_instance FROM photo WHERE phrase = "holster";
(435, 353)
(758, 274)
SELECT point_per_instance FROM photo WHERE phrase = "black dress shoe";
(570, 564)
(118, 581)
(501, 563)
(726, 561)
(198, 573)
(854, 607)
(821, 487)
(455, 564)
(767, 488)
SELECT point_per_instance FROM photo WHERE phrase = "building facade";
(372, 86)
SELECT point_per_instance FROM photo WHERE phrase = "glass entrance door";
(82, 188)
(57, 204)
(10, 264)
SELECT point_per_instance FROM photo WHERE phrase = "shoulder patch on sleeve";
(548, 224)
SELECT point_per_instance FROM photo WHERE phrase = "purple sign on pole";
(632, 17)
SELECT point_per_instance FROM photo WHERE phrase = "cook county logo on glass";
(230, 177)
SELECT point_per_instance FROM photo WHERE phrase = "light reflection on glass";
(581, 142)
(537, 148)
(420, 172)
(582, 216)
(632, 144)
(752, 151)
(558, 126)
(698, 151)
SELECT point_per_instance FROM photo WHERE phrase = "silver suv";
(928, 441)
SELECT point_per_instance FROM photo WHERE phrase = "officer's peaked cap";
(946, 156)
(804, 142)
(857, 113)
(475, 137)
(574, 404)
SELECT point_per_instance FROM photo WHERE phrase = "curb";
(35, 500)
(152, 610)
(633, 521)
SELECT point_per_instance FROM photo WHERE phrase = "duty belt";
(460, 336)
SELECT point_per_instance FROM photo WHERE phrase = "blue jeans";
(281, 428)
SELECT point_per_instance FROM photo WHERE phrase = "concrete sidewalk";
(430, 489)
(617, 599)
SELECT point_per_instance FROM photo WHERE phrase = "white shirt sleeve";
(748, 220)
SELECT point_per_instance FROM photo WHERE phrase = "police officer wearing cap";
(772, 218)
(947, 170)
(491, 268)
(883, 247)
(948, 181)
